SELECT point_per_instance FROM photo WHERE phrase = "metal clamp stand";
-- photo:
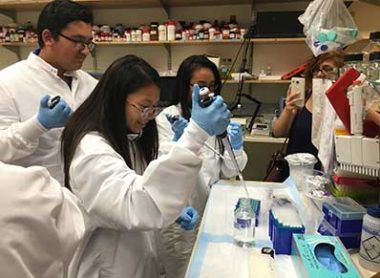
(245, 67)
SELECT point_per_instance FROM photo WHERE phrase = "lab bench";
(214, 253)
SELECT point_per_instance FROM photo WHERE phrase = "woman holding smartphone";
(296, 122)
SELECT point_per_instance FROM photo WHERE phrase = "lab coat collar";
(133, 136)
(35, 59)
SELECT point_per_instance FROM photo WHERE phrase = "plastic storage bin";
(300, 165)
(344, 214)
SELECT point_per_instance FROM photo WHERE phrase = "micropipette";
(206, 100)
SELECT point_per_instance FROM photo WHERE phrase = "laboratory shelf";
(20, 5)
(187, 42)
(99, 4)
(279, 40)
(109, 4)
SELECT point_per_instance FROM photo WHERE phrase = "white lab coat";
(213, 167)
(40, 224)
(20, 139)
(175, 244)
(22, 85)
(126, 207)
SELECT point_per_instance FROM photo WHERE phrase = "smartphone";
(298, 87)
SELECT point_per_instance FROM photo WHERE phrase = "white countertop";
(215, 255)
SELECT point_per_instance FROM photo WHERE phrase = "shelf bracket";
(11, 14)
(165, 6)
(15, 49)
(169, 50)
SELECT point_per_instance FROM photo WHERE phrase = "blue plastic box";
(349, 240)
(344, 214)
(271, 219)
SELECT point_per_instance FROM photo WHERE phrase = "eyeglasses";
(80, 43)
(329, 72)
(148, 112)
(212, 87)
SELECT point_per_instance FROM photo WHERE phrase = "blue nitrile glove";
(178, 125)
(54, 117)
(214, 118)
(188, 218)
(236, 135)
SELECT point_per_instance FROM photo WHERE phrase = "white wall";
(366, 16)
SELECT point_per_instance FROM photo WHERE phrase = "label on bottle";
(242, 223)
(370, 246)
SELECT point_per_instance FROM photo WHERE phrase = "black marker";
(268, 251)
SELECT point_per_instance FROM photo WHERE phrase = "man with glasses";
(65, 40)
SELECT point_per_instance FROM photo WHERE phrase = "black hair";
(56, 15)
(184, 74)
(104, 112)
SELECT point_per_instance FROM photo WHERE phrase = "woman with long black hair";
(110, 146)
(176, 245)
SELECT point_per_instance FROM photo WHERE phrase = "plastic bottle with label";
(133, 35)
(370, 240)
(226, 32)
(145, 34)
(153, 31)
(138, 35)
(162, 32)
(171, 30)
(233, 22)
(244, 224)
(211, 32)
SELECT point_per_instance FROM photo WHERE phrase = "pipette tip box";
(281, 234)
(344, 215)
